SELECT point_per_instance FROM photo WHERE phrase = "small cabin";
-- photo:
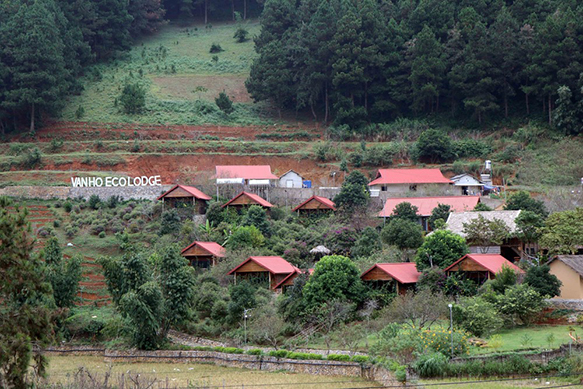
(467, 184)
(314, 205)
(395, 181)
(569, 270)
(481, 267)
(246, 199)
(203, 254)
(183, 196)
(291, 179)
(268, 271)
(403, 275)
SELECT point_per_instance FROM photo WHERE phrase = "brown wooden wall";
(251, 267)
(243, 200)
(468, 265)
(376, 274)
(314, 204)
(196, 251)
(179, 192)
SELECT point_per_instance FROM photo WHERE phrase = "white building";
(291, 179)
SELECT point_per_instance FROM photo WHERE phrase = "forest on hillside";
(358, 61)
(347, 62)
(48, 44)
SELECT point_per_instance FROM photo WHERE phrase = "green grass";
(171, 65)
(529, 337)
(491, 383)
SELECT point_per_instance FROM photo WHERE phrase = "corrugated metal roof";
(273, 264)
(190, 189)
(410, 176)
(323, 200)
(247, 172)
(426, 204)
(404, 272)
(455, 221)
(492, 262)
(575, 262)
(252, 196)
(213, 248)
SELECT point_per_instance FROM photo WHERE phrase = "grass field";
(181, 76)
(61, 370)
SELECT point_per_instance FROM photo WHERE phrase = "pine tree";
(33, 52)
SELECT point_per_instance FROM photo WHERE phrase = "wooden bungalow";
(203, 254)
(569, 270)
(403, 275)
(246, 199)
(315, 205)
(481, 267)
(268, 271)
(182, 195)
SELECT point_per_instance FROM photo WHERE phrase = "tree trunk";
(313, 112)
(206, 11)
(527, 104)
(233, 9)
(437, 104)
(505, 103)
(550, 111)
(366, 97)
(32, 118)
(327, 109)
(244, 9)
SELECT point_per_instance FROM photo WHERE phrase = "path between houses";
(196, 341)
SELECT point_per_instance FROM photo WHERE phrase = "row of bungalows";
(276, 273)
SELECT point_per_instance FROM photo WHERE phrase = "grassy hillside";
(181, 76)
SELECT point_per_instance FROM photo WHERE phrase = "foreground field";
(62, 370)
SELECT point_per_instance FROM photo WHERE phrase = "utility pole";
(245, 316)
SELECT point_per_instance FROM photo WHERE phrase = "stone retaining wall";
(64, 192)
(535, 356)
(265, 363)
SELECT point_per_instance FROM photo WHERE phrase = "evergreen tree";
(33, 52)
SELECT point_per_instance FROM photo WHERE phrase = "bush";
(338, 357)
(170, 222)
(440, 249)
(101, 234)
(215, 48)
(435, 146)
(94, 201)
(56, 223)
(32, 157)
(477, 316)
(304, 356)
(279, 353)
(133, 98)
(360, 358)
(233, 350)
(255, 351)
(431, 365)
(224, 103)
(241, 35)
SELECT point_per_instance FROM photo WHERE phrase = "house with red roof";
(314, 205)
(252, 175)
(246, 199)
(426, 204)
(481, 267)
(203, 254)
(403, 275)
(395, 181)
(183, 195)
(269, 271)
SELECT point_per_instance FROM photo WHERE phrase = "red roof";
(492, 262)
(248, 172)
(273, 264)
(190, 189)
(426, 204)
(252, 196)
(323, 200)
(405, 272)
(213, 248)
(410, 176)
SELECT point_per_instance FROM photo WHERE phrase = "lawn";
(61, 370)
(529, 337)
(493, 383)
(181, 76)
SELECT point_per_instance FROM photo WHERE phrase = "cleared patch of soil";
(202, 87)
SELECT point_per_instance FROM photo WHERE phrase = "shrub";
(133, 98)
(170, 222)
(215, 48)
(304, 356)
(56, 223)
(101, 234)
(32, 157)
(431, 365)
(401, 374)
(360, 358)
(80, 112)
(67, 206)
(56, 144)
(94, 201)
(435, 146)
(241, 35)
(233, 350)
(477, 316)
(339, 357)
(255, 351)
(441, 249)
(224, 103)
(279, 353)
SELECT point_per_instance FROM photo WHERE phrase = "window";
(413, 188)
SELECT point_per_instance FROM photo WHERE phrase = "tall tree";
(25, 317)
(33, 52)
